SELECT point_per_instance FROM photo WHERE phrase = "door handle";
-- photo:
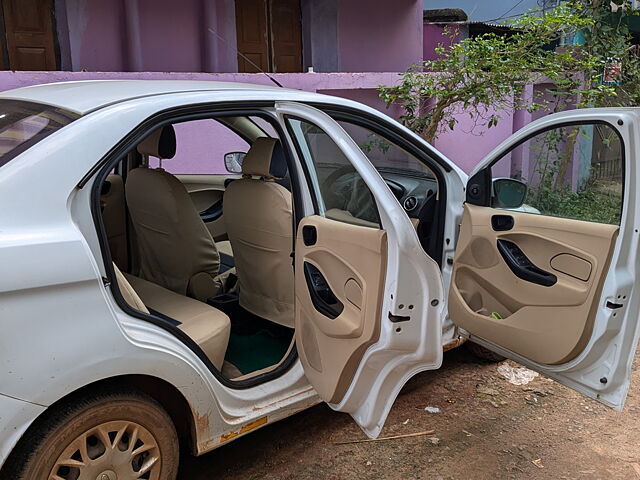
(212, 213)
(323, 299)
(522, 267)
(502, 223)
(309, 235)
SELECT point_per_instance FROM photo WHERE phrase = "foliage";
(487, 74)
(592, 204)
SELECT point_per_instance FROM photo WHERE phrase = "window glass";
(23, 124)
(200, 148)
(385, 155)
(342, 194)
(571, 172)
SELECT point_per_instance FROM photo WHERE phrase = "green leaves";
(487, 74)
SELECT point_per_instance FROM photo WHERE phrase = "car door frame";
(602, 370)
(383, 372)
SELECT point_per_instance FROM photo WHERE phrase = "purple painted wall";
(434, 35)
(166, 35)
(379, 35)
(148, 35)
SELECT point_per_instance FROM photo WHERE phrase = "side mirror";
(233, 161)
(508, 193)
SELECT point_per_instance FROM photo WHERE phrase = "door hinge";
(106, 282)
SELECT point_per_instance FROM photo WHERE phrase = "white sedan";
(146, 299)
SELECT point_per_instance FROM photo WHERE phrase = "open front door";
(551, 282)
(368, 299)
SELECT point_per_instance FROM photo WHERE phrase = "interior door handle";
(522, 267)
(323, 299)
(502, 223)
(309, 235)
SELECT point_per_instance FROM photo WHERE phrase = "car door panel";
(352, 259)
(391, 291)
(547, 324)
(554, 293)
(206, 193)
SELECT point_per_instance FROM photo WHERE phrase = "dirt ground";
(486, 429)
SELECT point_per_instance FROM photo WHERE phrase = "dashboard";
(345, 190)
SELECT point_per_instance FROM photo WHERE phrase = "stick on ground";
(393, 437)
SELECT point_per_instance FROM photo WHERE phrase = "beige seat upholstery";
(259, 222)
(114, 217)
(176, 249)
(205, 325)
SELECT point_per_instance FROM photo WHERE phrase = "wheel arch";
(167, 395)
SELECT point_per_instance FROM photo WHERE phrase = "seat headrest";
(161, 143)
(265, 159)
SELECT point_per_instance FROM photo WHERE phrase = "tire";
(484, 354)
(105, 436)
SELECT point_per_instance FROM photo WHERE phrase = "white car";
(136, 308)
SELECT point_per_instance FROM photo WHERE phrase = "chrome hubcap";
(117, 450)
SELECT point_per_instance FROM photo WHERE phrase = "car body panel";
(15, 418)
(602, 369)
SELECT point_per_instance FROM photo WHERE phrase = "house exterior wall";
(435, 35)
(165, 35)
(147, 35)
(379, 35)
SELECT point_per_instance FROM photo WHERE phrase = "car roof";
(88, 95)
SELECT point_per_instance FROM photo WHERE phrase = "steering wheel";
(327, 187)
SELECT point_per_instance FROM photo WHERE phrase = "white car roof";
(89, 95)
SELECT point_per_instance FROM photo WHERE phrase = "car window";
(341, 192)
(200, 148)
(384, 154)
(574, 171)
(23, 124)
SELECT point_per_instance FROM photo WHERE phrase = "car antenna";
(245, 57)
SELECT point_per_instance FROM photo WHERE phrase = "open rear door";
(368, 299)
(551, 282)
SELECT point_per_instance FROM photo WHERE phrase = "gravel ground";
(486, 429)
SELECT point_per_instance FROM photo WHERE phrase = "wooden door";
(30, 34)
(269, 33)
(286, 36)
(252, 31)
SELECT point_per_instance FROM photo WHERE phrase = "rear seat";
(207, 326)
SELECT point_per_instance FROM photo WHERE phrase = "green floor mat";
(259, 350)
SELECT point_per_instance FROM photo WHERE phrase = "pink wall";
(379, 35)
(104, 35)
(434, 36)
(170, 34)
(97, 35)
(468, 143)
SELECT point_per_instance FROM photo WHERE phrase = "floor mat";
(258, 350)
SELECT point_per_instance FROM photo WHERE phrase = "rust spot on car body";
(244, 429)
(456, 342)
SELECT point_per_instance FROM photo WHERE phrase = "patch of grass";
(591, 204)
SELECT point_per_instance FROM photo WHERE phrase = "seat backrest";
(259, 221)
(114, 217)
(175, 247)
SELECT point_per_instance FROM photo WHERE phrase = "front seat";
(259, 221)
(176, 249)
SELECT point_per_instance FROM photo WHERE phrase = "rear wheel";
(113, 436)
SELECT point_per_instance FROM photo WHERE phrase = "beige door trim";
(549, 325)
